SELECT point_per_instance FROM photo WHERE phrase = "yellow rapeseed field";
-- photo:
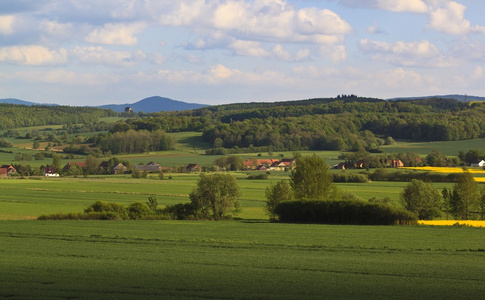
(451, 170)
(452, 222)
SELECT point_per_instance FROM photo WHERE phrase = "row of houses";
(270, 164)
(360, 164)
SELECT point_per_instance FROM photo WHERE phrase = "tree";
(422, 199)
(466, 196)
(311, 180)
(36, 145)
(216, 196)
(91, 165)
(275, 194)
(57, 162)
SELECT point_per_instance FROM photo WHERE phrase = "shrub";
(138, 210)
(101, 206)
(181, 211)
(258, 176)
(343, 212)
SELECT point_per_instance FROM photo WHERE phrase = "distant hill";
(154, 104)
(22, 102)
(461, 98)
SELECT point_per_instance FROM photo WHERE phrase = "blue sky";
(91, 52)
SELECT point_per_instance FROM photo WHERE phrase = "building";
(478, 163)
(396, 163)
(119, 168)
(193, 168)
(149, 167)
(50, 172)
(71, 165)
(10, 169)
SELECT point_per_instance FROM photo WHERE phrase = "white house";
(480, 163)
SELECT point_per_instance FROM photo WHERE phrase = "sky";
(91, 52)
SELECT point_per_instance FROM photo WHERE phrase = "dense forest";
(343, 123)
(15, 116)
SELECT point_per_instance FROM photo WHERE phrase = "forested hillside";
(342, 123)
(14, 116)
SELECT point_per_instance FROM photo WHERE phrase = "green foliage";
(216, 196)
(349, 177)
(466, 197)
(111, 207)
(261, 176)
(133, 141)
(15, 116)
(138, 210)
(181, 211)
(275, 194)
(422, 199)
(231, 163)
(311, 180)
(5, 144)
(343, 212)
(152, 202)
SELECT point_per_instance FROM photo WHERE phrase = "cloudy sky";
(92, 52)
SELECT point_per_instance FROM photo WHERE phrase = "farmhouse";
(50, 172)
(478, 163)
(72, 165)
(3, 172)
(10, 169)
(396, 163)
(119, 168)
(340, 166)
(149, 167)
(193, 168)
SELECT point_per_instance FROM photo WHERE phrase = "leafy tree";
(311, 180)
(216, 196)
(57, 162)
(5, 144)
(466, 196)
(36, 145)
(91, 165)
(275, 194)
(152, 203)
(422, 199)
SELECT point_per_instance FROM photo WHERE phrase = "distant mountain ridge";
(22, 102)
(154, 104)
(462, 98)
(147, 105)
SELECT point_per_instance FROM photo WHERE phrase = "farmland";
(247, 257)
(236, 259)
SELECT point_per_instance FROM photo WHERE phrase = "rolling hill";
(154, 104)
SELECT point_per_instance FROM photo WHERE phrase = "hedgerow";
(352, 212)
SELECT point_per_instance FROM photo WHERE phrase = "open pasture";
(238, 260)
(451, 148)
(30, 198)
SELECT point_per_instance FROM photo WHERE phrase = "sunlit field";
(453, 223)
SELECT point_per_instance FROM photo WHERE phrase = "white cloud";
(449, 17)
(55, 28)
(32, 55)
(101, 56)
(60, 76)
(400, 53)
(116, 34)
(6, 24)
(263, 20)
(248, 48)
(335, 53)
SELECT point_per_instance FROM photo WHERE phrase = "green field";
(238, 260)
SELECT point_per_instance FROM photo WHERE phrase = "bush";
(349, 177)
(181, 211)
(352, 212)
(101, 206)
(257, 176)
(138, 210)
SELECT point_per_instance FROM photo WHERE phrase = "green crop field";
(238, 260)
(30, 198)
